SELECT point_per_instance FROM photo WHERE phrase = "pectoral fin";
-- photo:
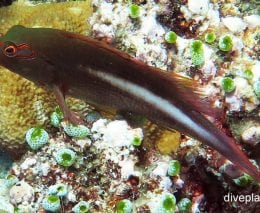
(67, 113)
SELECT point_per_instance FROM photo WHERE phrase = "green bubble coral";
(81, 207)
(257, 88)
(197, 53)
(210, 37)
(51, 203)
(170, 37)
(168, 203)
(124, 206)
(59, 189)
(174, 168)
(225, 43)
(79, 131)
(228, 84)
(65, 157)
(36, 137)
(184, 205)
(134, 11)
(56, 117)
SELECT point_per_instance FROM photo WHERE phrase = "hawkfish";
(85, 68)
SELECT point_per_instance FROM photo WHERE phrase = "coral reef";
(233, 57)
(109, 165)
(22, 104)
(106, 169)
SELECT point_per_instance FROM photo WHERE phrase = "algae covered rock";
(21, 192)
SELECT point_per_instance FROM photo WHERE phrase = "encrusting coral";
(70, 16)
(22, 104)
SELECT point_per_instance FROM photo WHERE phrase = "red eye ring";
(20, 51)
(10, 51)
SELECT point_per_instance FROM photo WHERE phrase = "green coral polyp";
(225, 43)
(184, 205)
(16, 210)
(65, 157)
(228, 84)
(51, 203)
(210, 37)
(124, 206)
(170, 37)
(134, 11)
(243, 180)
(36, 133)
(197, 53)
(56, 117)
(137, 141)
(59, 189)
(79, 131)
(174, 168)
(81, 207)
(36, 137)
(53, 199)
(168, 203)
(248, 74)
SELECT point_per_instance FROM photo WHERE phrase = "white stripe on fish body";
(149, 97)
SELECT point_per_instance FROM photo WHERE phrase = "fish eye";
(19, 51)
(10, 51)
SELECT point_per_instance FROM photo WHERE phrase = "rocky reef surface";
(116, 167)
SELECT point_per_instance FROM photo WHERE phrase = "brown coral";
(70, 16)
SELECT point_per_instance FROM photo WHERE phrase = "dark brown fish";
(84, 68)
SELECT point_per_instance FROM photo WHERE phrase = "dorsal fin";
(193, 93)
(98, 44)
(187, 88)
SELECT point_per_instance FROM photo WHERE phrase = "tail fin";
(225, 145)
(236, 156)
